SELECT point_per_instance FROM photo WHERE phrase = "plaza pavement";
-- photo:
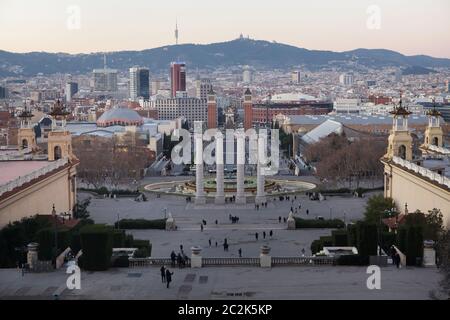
(322, 282)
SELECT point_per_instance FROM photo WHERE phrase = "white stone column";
(265, 259)
(220, 193)
(196, 258)
(200, 192)
(260, 177)
(240, 176)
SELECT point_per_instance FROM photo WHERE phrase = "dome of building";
(120, 117)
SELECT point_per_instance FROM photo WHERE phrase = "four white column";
(200, 192)
(260, 175)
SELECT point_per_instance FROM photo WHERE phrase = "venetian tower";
(59, 138)
(400, 140)
(433, 134)
(26, 135)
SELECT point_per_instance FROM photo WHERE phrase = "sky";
(82, 26)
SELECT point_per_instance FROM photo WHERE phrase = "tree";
(376, 208)
(80, 210)
(432, 223)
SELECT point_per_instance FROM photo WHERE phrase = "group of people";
(166, 276)
(179, 259)
(233, 219)
(264, 205)
(230, 199)
(264, 234)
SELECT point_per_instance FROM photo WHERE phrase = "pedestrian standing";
(264, 234)
(240, 253)
(210, 243)
(216, 244)
(256, 235)
(163, 274)
(279, 219)
(307, 211)
(168, 277)
(271, 233)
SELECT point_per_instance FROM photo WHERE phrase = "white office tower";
(295, 77)
(71, 90)
(202, 87)
(346, 79)
(247, 75)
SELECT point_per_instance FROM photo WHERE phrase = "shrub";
(319, 224)
(141, 224)
(96, 242)
(118, 238)
(340, 238)
(316, 246)
(121, 262)
(367, 239)
(46, 240)
(141, 253)
(326, 241)
(414, 247)
(353, 260)
(143, 244)
(352, 235)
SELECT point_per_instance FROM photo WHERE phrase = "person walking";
(240, 253)
(279, 219)
(216, 244)
(163, 274)
(264, 234)
(256, 236)
(173, 257)
(307, 212)
(168, 277)
(209, 243)
(271, 233)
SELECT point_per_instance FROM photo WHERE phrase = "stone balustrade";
(31, 176)
(434, 176)
(229, 261)
(15, 154)
(439, 149)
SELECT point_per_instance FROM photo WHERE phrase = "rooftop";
(11, 170)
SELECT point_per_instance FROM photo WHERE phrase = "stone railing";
(305, 261)
(441, 179)
(441, 150)
(230, 261)
(15, 154)
(223, 262)
(31, 176)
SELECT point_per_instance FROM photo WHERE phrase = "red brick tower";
(212, 110)
(248, 110)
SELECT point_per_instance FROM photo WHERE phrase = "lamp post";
(55, 231)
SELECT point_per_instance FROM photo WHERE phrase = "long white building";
(192, 109)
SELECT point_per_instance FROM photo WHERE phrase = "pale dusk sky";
(408, 26)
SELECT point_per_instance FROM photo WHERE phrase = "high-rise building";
(347, 79)
(202, 88)
(247, 75)
(3, 92)
(177, 77)
(139, 83)
(295, 77)
(447, 86)
(71, 89)
(105, 80)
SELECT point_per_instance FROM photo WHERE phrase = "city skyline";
(82, 27)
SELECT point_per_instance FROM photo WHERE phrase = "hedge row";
(141, 224)
(319, 224)
(97, 244)
(104, 190)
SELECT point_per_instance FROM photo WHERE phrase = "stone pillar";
(240, 176)
(196, 258)
(200, 192)
(170, 223)
(260, 177)
(429, 254)
(291, 221)
(32, 255)
(264, 258)
(220, 193)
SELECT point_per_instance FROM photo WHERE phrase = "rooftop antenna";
(176, 31)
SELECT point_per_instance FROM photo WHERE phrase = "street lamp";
(55, 231)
